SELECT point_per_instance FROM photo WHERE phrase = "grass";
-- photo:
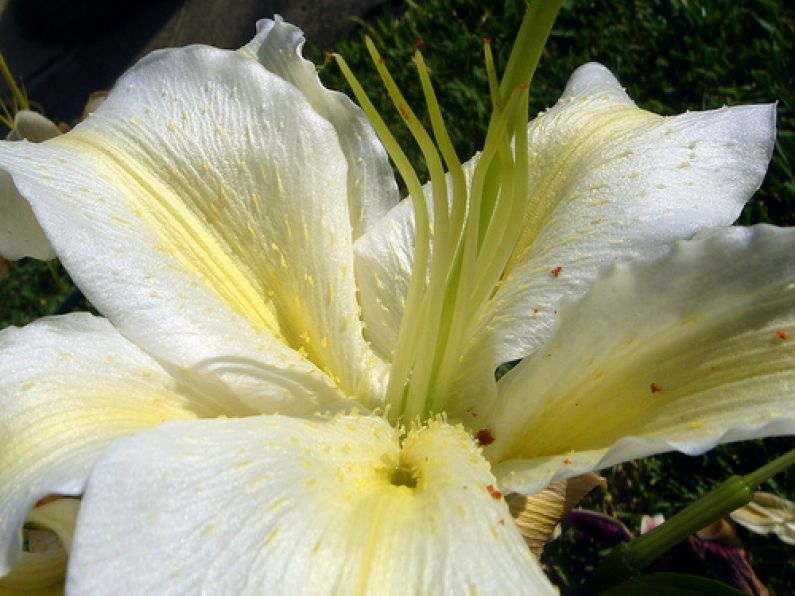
(673, 56)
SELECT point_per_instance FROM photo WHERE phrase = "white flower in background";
(237, 422)
(766, 514)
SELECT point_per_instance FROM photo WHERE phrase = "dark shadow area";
(63, 51)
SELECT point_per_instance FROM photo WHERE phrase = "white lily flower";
(237, 422)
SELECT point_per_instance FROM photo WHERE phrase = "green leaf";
(672, 584)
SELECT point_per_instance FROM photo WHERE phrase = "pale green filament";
(475, 228)
(491, 73)
(467, 304)
(411, 393)
(420, 342)
(401, 360)
(448, 153)
(19, 99)
(507, 221)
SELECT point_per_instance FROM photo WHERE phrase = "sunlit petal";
(371, 184)
(609, 183)
(20, 234)
(684, 352)
(139, 202)
(68, 387)
(301, 506)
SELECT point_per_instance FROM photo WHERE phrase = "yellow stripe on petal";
(571, 145)
(207, 199)
(182, 227)
(69, 386)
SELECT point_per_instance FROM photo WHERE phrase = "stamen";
(6, 118)
(424, 336)
(451, 160)
(423, 139)
(401, 362)
(529, 44)
(467, 303)
(491, 73)
(506, 225)
(437, 305)
(475, 229)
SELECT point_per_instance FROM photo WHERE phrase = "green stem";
(771, 469)
(530, 41)
(628, 559)
(525, 54)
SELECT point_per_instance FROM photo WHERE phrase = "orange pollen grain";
(495, 494)
(782, 335)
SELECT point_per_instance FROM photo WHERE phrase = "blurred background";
(672, 55)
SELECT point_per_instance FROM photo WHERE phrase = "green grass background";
(672, 56)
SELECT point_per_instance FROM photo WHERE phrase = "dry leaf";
(538, 515)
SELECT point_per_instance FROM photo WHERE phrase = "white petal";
(206, 199)
(610, 182)
(297, 506)
(372, 190)
(384, 261)
(68, 387)
(768, 513)
(690, 350)
(34, 127)
(20, 234)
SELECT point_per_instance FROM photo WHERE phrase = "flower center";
(403, 476)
